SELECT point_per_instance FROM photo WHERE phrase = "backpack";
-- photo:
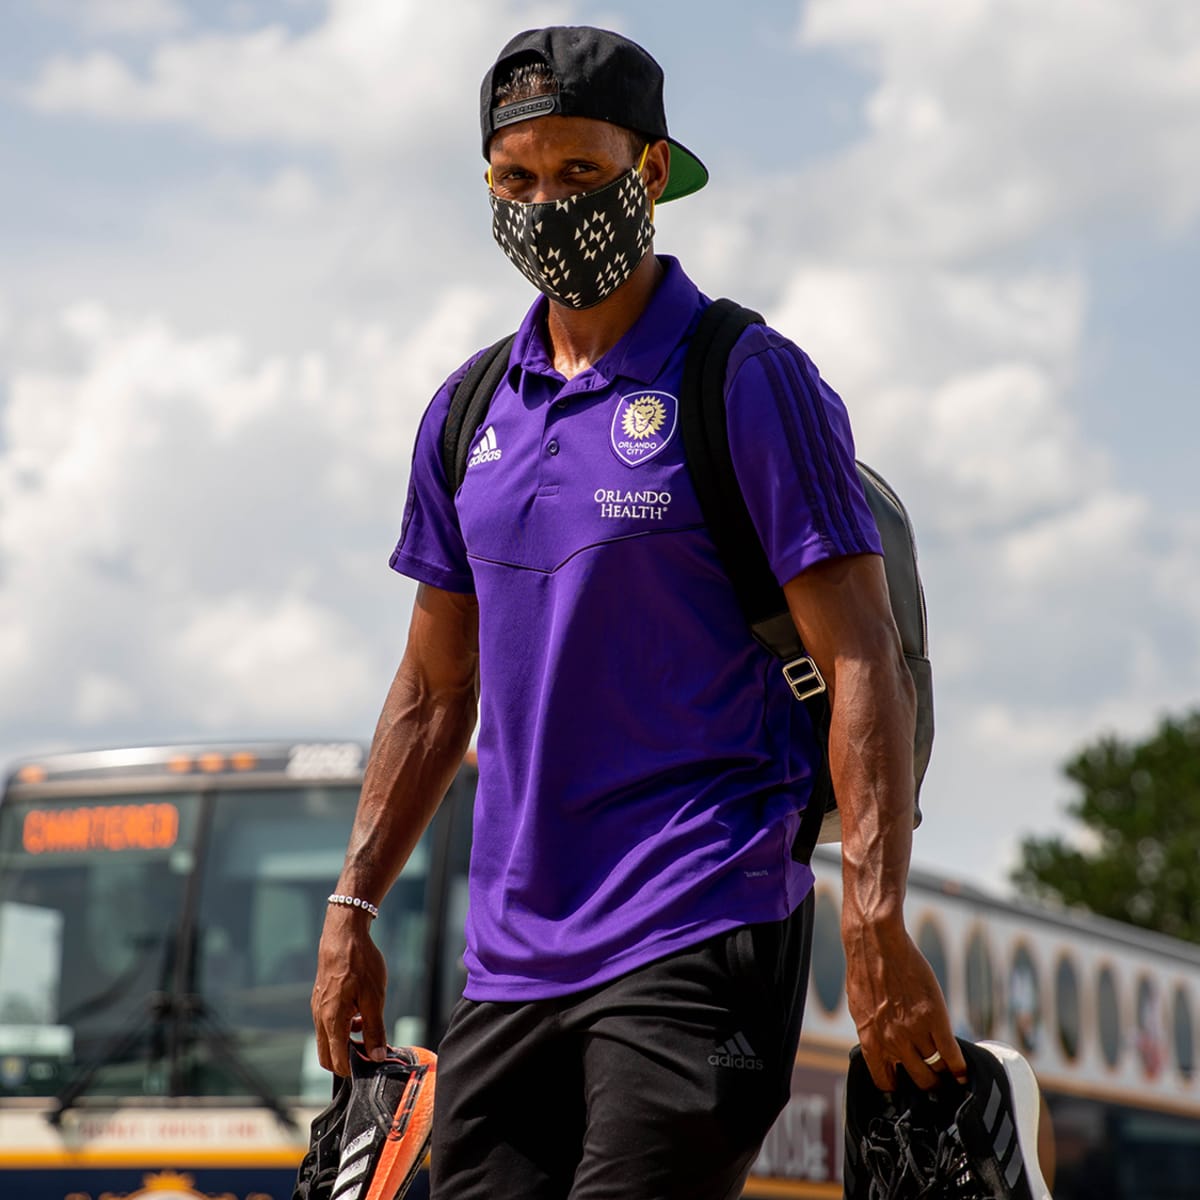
(705, 437)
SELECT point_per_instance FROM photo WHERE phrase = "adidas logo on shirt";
(486, 451)
(737, 1053)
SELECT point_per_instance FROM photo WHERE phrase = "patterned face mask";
(578, 251)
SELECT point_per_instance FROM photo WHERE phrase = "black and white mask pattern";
(579, 250)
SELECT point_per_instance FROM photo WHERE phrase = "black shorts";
(660, 1085)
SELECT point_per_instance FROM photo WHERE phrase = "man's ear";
(657, 167)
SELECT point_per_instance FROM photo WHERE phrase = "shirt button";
(560, 404)
(552, 447)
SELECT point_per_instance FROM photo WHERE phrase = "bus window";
(272, 860)
(1151, 1035)
(91, 893)
(828, 956)
(1181, 1023)
(1108, 1016)
(933, 946)
(1067, 1007)
(981, 1005)
(1025, 1001)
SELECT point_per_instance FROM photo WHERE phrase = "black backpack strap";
(705, 433)
(468, 407)
(705, 436)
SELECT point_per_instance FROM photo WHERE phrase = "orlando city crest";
(643, 425)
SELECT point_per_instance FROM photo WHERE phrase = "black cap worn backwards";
(601, 75)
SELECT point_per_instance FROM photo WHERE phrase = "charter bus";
(159, 915)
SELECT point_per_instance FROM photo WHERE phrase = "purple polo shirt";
(642, 764)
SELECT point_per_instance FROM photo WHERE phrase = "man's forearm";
(419, 744)
(870, 760)
(841, 610)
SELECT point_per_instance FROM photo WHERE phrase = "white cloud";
(293, 194)
(1094, 535)
(994, 119)
(129, 17)
(871, 326)
(1000, 441)
(373, 74)
(194, 536)
(287, 661)
(961, 379)
(103, 699)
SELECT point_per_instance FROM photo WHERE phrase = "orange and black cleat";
(371, 1140)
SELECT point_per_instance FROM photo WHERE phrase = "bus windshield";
(165, 943)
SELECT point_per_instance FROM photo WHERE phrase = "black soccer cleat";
(371, 1140)
(955, 1142)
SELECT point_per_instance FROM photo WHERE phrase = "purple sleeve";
(431, 548)
(793, 453)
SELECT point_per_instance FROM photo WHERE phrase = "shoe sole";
(1027, 1107)
(407, 1141)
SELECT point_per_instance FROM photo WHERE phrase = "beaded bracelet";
(355, 902)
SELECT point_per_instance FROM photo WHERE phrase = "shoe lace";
(907, 1162)
(954, 1171)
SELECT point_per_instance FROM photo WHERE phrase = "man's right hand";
(351, 982)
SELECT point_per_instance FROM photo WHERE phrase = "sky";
(241, 243)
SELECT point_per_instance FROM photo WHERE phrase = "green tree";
(1139, 860)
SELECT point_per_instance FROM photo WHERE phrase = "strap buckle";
(803, 678)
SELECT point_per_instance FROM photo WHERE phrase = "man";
(638, 935)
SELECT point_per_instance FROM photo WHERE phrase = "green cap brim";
(688, 173)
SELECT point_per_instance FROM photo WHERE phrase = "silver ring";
(933, 1059)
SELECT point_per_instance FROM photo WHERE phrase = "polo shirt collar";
(643, 351)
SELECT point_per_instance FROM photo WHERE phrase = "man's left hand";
(899, 1009)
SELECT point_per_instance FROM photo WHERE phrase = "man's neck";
(578, 338)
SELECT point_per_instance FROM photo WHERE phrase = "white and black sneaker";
(955, 1142)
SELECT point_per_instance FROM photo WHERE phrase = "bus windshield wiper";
(117, 988)
(200, 1023)
(199, 1019)
(158, 1009)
